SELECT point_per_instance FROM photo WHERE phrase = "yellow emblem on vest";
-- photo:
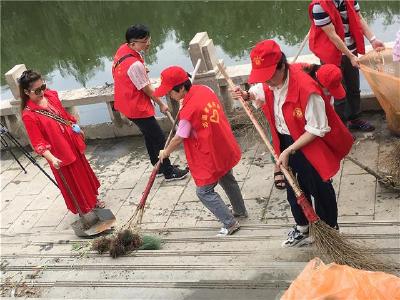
(212, 114)
(257, 60)
(297, 113)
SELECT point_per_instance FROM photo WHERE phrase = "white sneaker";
(229, 231)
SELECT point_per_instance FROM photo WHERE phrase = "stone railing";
(201, 46)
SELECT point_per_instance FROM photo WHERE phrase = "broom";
(128, 238)
(328, 241)
(392, 180)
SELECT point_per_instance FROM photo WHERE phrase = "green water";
(72, 43)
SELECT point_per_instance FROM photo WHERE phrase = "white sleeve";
(257, 91)
(138, 75)
(316, 119)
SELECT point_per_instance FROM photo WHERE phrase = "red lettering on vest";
(213, 151)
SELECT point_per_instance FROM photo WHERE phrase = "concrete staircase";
(193, 263)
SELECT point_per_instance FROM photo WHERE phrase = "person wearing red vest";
(210, 147)
(337, 37)
(329, 79)
(307, 134)
(133, 95)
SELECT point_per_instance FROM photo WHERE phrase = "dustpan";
(95, 222)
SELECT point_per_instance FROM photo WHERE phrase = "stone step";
(229, 272)
(201, 243)
(203, 290)
(185, 232)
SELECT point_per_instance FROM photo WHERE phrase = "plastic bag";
(335, 282)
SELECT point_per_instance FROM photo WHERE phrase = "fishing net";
(383, 76)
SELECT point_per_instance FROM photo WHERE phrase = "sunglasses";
(39, 90)
(147, 41)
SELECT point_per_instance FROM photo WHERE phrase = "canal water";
(73, 43)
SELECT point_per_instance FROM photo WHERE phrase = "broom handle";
(298, 192)
(303, 43)
(158, 164)
(370, 171)
(66, 185)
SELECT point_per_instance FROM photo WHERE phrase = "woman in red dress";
(54, 135)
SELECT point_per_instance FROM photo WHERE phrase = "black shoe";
(161, 172)
(176, 174)
(361, 125)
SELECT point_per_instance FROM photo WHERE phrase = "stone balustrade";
(201, 47)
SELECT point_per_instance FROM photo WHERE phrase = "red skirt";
(83, 183)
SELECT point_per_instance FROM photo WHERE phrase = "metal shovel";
(94, 222)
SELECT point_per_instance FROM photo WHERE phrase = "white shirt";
(138, 75)
(315, 115)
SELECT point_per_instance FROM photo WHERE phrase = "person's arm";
(184, 131)
(316, 126)
(149, 90)
(339, 43)
(303, 140)
(39, 143)
(52, 159)
(172, 146)
(375, 43)
(138, 75)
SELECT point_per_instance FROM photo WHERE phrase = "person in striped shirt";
(337, 36)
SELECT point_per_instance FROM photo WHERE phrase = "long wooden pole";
(303, 43)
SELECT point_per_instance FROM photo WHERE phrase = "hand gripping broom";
(328, 241)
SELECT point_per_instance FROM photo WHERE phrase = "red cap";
(330, 77)
(170, 77)
(264, 58)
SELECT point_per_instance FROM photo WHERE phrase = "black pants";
(155, 141)
(349, 109)
(312, 185)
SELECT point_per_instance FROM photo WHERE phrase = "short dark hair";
(187, 85)
(311, 70)
(25, 82)
(137, 31)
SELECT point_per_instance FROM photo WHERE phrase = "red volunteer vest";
(324, 153)
(319, 42)
(211, 150)
(130, 101)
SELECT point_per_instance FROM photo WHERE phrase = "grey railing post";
(14, 121)
(201, 46)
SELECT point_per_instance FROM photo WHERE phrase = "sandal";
(280, 184)
(100, 204)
